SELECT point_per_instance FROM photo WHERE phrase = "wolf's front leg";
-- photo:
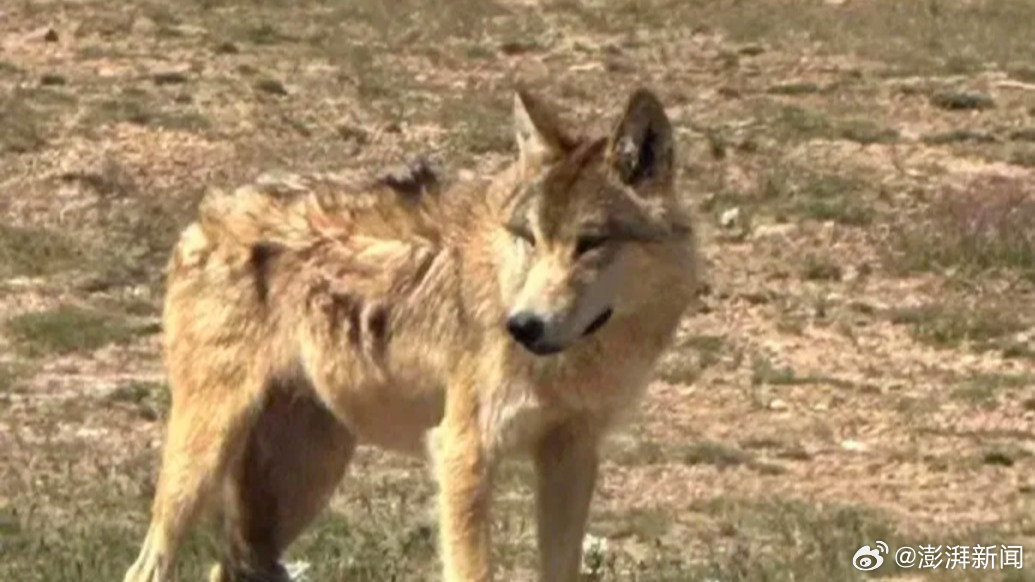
(566, 462)
(464, 473)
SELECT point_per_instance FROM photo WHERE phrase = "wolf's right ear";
(640, 149)
(540, 138)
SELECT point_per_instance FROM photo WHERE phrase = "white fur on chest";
(520, 409)
(513, 416)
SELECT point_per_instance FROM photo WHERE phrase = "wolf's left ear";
(640, 149)
(540, 138)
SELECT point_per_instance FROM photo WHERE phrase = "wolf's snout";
(526, 328)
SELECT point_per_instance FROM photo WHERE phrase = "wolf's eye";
(588, 242)
(523, 234)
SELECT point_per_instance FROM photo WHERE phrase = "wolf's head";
(588, 225)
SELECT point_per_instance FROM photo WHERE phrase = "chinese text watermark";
(954, 557)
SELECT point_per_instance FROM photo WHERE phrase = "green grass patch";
(37, 252)
(263, 34)
(800, 88)
(986, 225)
(21, 129)
(1005, 455)
(962, 100)
(950, 323)
(148, 400)
(476, 125)
(81, 519)
(911, 37)
(983, 389)
(140, 108)
(820, 268)
(803, 541)
(715, 453)
(11, 376)
(765, 372)
(689, 357)
(792, 123)
(831, 197)
(958, 136)
(1023, 157)
(67, 329)
(645, 523)
(866, 132)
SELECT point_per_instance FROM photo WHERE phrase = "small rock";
(773, 230)
(51, 36)
(271, 86)
(51, 80)
(853, 445)
(751, 50)
(778, 404)
(730, 218)
(297, 570)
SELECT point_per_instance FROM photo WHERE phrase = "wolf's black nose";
(525, 327)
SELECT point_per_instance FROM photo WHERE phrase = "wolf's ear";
(640, 149)
(538, 132)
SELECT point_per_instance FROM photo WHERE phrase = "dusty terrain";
(862, 366)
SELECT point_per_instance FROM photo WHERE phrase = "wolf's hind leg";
(296, 455)
(206, 428)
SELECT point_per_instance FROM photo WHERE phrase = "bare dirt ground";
(862, 366)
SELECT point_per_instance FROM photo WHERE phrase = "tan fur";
(298, 326)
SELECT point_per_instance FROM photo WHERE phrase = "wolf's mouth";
(544, 349)
(598, 322)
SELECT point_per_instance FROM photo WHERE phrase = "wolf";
(519, 313)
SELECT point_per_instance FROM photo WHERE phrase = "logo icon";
(868, 559)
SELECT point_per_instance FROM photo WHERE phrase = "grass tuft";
(832, 197)
(983, 389)
(21, 128)
(948, 324)
(986, 225)
(36, 252)
(715, 453)
(962, 100)
(149, 400)
(820, 268)
(813, 539)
